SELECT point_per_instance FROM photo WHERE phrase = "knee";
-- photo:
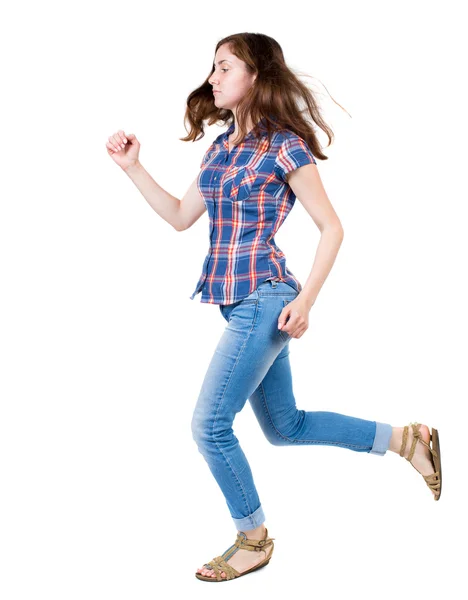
(196, 429)
(208, 433)
(283, 435)
(277, 439)
(273, 435)
(286, 431)
(200, 427)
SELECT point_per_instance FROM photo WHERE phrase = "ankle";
(396, 439)
(256, 534)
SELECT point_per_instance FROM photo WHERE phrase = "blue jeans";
(251, 361)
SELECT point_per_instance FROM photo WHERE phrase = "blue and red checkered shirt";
(247, 199)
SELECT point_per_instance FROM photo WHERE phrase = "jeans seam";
(254, 320)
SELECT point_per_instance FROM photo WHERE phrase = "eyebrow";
(224, 60)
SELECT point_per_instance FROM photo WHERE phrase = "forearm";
(166, 205)
(327, 250)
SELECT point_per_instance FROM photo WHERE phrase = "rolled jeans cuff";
(383, 433)
(252, 521)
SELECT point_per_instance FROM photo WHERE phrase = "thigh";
(245, 352)
(273, 402)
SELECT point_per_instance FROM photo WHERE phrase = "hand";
(123, 149)
(298, 312)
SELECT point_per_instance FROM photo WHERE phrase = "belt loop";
(274, 283)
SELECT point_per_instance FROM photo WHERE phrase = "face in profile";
(230, 79)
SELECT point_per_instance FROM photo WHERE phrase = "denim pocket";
(242, 314)
(284, 334)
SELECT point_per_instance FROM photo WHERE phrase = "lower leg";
(274, 405)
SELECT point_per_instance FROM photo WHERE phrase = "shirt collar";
(250, 134)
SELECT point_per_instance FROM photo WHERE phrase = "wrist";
(132, 167)
(307, 298)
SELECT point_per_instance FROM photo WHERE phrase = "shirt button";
(215, 179)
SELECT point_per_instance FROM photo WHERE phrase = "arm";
(181, 214)
(307, 186)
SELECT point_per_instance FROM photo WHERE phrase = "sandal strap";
(432, 480)
(254, 545)
(219, 563)
(416, 436)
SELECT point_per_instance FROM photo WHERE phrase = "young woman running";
(249, 179)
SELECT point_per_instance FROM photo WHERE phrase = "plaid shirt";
(247, 200)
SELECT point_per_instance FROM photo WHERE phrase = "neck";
(235, 133)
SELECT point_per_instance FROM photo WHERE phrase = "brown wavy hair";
(275, 96)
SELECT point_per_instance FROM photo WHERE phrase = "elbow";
(334, 229)
(338, 229)
(179, 224)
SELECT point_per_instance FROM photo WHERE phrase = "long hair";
(274, 98)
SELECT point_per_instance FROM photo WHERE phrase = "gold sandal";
(219, 563)
(434, 480)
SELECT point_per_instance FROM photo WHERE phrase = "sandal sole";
(437, 459)
(259, 566)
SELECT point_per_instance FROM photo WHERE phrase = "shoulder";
(219, 138)
(212, 149)
(287, 138)
(293, 152)
(287, 143)
(216, 143)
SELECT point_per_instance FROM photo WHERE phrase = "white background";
(104, 494)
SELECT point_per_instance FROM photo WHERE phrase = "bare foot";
(242, 560)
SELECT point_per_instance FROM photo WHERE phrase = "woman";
(249, 179)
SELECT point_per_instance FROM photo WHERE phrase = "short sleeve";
(207, 155)
(293, 153)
